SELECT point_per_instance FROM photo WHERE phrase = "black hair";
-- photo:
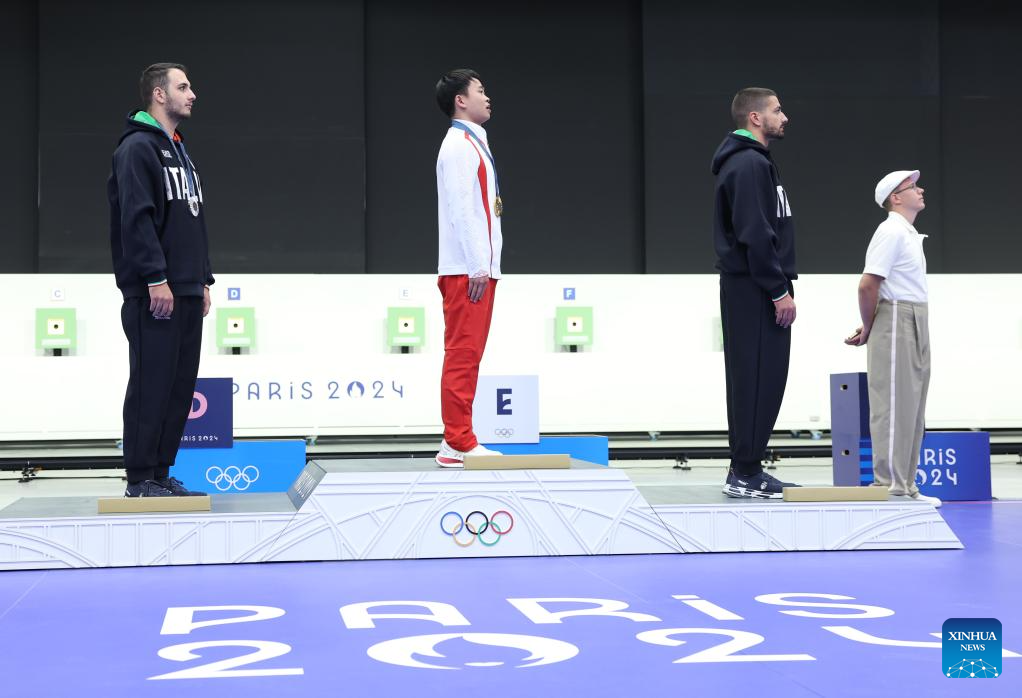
(747, 100)
(155, 76)
(452, 84)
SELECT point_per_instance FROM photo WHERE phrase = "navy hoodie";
(153, 235)
(753, 233)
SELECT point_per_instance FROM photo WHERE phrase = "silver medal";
(193, 205)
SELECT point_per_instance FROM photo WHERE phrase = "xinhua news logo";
(971, 648)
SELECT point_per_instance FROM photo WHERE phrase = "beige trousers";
(898, 374)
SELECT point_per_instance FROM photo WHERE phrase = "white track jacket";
(470, 239)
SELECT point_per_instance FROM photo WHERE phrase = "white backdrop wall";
(655, 365)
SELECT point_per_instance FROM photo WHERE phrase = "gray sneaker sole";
(744, 493)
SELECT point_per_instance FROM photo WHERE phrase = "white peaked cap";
(891, 181)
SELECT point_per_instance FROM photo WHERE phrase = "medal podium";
(361, 509)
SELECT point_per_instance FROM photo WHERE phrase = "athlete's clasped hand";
(161, 301)
(477, 287)
(784, 311)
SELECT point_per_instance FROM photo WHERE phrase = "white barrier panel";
(506, 409)
(305, 376)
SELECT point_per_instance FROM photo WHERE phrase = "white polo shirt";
(470, 239)
(896, 253)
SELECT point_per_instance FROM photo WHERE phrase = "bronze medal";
(498, 206)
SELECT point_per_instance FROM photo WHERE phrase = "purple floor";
(98, 632)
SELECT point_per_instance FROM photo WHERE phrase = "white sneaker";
(917, 497)
(447, 457)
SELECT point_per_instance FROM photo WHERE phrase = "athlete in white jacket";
(469, 209)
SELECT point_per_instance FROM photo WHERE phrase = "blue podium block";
(211, 420)
(953, 465)
(248, 466)
(849, 424)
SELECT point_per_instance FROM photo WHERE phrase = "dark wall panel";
(981, 51)
(606, 115)
(277, 130)
(565, 82)
(19, 62)
(859, 83)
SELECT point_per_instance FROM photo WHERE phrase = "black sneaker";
(177, 488)
(759, 486)
(771, 478)
(147, 488)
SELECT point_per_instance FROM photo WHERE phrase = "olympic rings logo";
(504, 433)
(477, 527)
(232, 477)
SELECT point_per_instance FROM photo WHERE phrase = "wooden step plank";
(522, 462)
(139, 505)
(835, 494)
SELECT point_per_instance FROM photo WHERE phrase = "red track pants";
(466, 326)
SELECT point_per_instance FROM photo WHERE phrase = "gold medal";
(498, 206)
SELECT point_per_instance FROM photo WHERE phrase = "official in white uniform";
(893, 300)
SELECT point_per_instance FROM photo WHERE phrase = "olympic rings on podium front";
(477, 524)
(232, 476)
